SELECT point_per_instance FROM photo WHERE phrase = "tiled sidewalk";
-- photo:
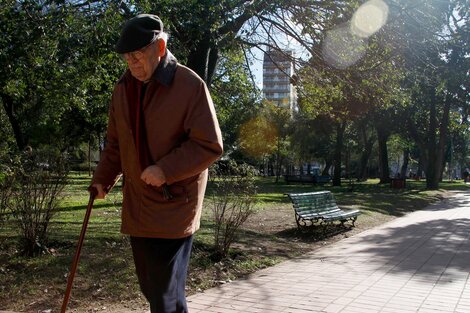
(417, 263)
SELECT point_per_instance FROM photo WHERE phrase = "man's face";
(142, 63)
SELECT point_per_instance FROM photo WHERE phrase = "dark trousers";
(162, 266)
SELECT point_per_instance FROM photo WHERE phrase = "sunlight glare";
(342, 49)
(369, 18)
(258, 137)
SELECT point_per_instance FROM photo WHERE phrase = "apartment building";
(278, 69)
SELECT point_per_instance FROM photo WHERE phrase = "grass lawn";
(105, 277)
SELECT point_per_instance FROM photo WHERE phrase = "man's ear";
(161, 47)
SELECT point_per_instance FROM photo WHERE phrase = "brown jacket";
(183, 138)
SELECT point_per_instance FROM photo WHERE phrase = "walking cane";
(73, 268)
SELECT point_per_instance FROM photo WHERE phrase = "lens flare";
(342, 49)
(369, 18)
(258, 137)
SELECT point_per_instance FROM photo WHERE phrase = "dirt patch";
(288, 240)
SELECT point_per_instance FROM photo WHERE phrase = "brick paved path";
(417, 263)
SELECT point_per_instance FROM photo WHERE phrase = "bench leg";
(324, 226)
(297, 221)
(301, 222)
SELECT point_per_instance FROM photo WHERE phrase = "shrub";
(5, 192)
(233, 201)
(37, 181)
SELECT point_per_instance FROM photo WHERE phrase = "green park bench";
(319, 208)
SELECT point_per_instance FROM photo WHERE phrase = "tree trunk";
(338, 149)
(404, 167)
(203, 60)
(365, 155)
(212, 64)
(271, 168)
(419, 171)
(326, 169)
(279, 161)
(89, 157)
(8, 105)
(443, 167)
(382, 137)
(432, 177)
(436, 149)
(347, 169)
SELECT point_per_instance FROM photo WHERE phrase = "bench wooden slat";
(319, 207)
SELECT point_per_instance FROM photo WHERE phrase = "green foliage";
(267, 135)
(58, 70)
(409, 80)
(312, 139)
(7, 139)
(235, 97)
(438, 61)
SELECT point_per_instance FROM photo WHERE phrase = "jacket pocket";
(170, 193)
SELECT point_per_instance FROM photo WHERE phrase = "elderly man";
(162, 136)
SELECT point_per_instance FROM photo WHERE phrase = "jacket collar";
(166, 69)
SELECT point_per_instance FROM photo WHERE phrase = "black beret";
(139, 32)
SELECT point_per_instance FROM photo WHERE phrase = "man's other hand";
(153, 175)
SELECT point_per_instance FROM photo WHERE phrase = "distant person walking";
(162, 136)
